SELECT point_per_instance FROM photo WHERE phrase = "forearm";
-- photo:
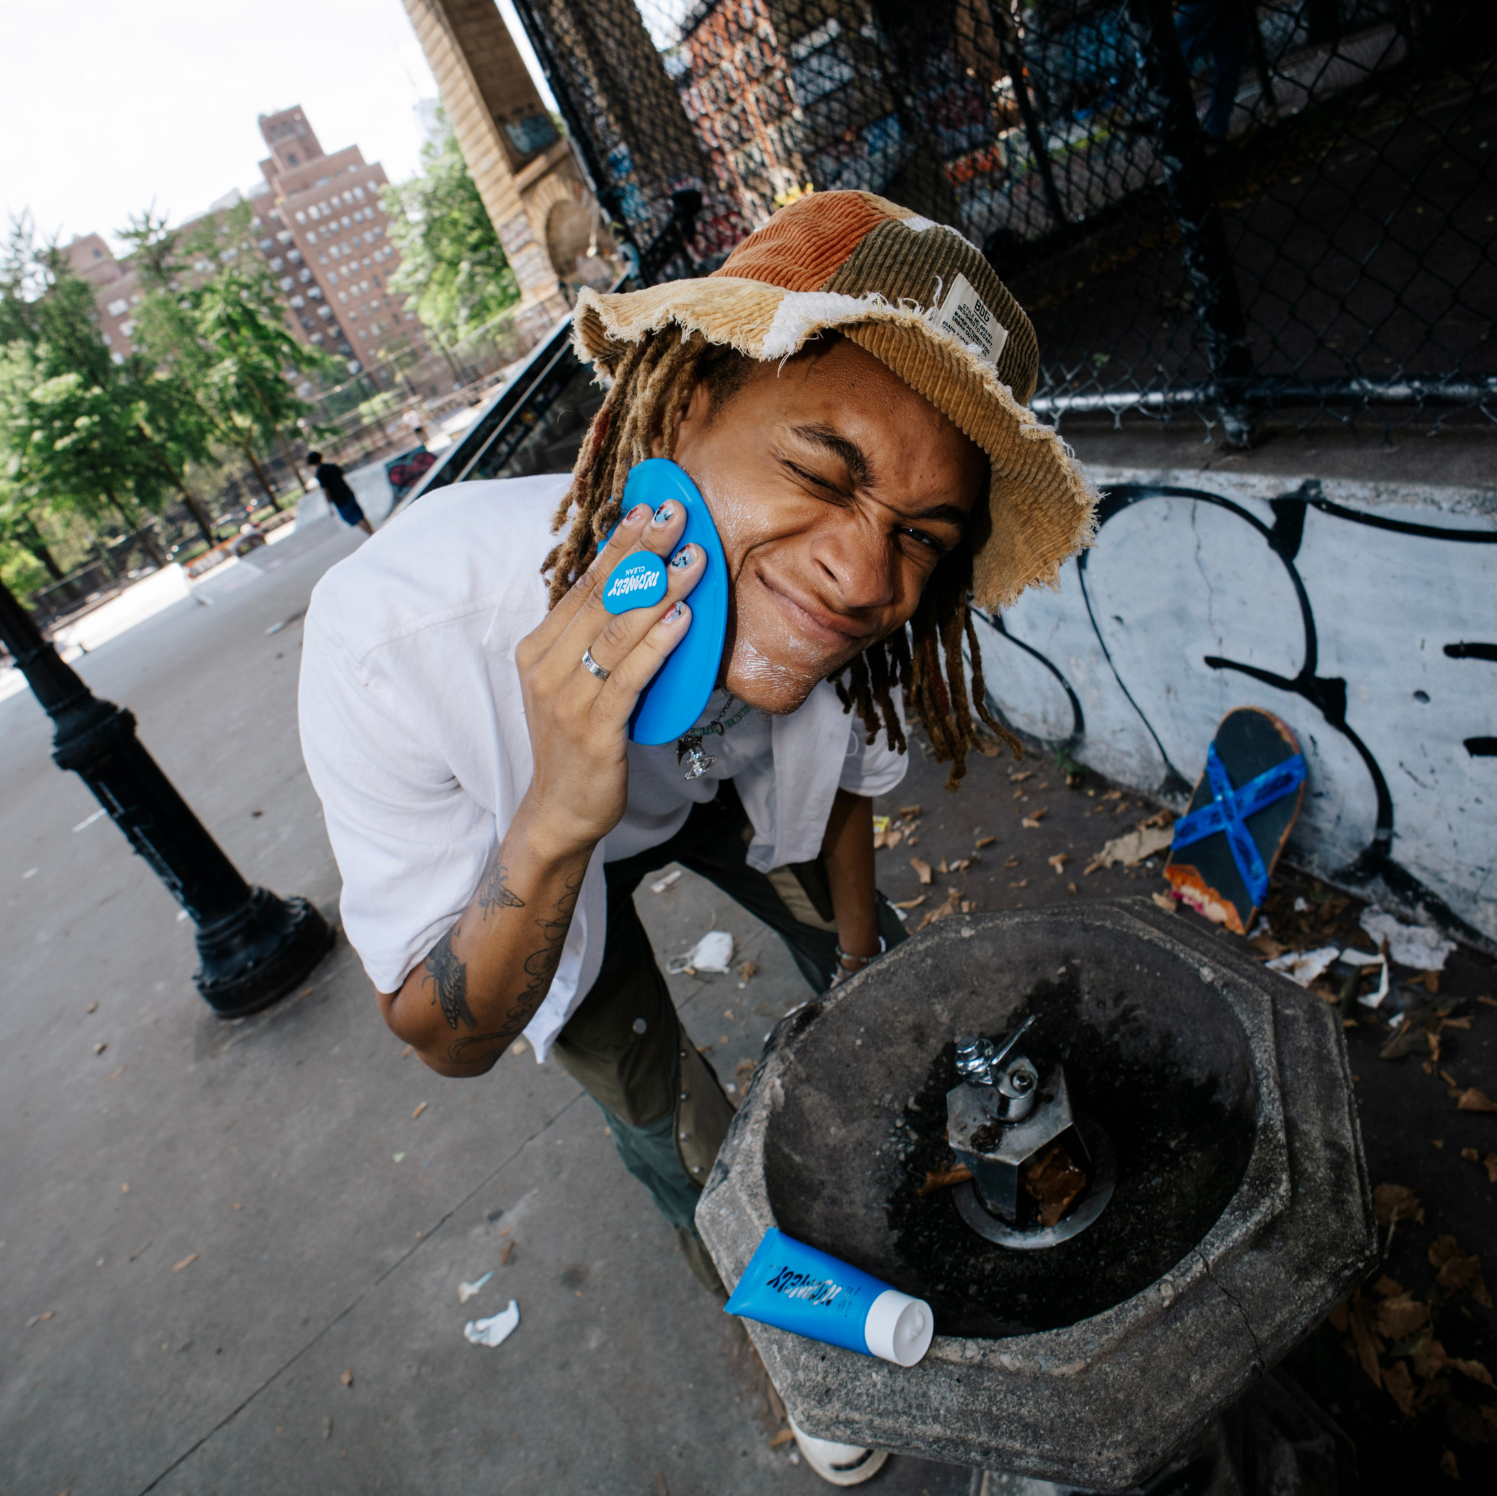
(847, 851)
(483, 980)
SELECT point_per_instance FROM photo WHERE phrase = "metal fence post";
(1203, 240)
(254, 946)
(1011, 53)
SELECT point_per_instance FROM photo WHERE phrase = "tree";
(453, 272)
(69, 416)
(219, 340)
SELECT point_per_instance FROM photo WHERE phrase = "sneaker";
(839, 1464)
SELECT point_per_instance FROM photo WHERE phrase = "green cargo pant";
(665, 1107)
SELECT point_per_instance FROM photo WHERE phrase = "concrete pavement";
(204, 1228)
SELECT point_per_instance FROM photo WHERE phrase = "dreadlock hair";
(652, 385)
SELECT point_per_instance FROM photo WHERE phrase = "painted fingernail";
(665, 514)
(672, 614)
(684, 557)
(637, 515)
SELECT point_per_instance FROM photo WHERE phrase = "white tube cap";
(899, 1328)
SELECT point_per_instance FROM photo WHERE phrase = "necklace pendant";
(696, 762)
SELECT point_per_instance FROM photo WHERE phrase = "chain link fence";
(1236, 211)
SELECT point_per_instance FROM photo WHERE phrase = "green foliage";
(218, 339)
(69, 416)
(453, 272)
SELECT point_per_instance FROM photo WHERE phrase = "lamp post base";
(256, 955)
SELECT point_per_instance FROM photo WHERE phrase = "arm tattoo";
(495, 893)
(539, 966)
(449, 976)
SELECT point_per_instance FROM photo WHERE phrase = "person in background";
(331, 481)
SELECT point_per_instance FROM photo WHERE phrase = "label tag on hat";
(965, 316)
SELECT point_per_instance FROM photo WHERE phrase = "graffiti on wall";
(1372, 632)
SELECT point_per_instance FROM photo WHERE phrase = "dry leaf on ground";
(1059, 861)
(922, 868)
(784, 1436)
(1165, 902)
(748, 971)
(908, 812)
(1473, 1100)
(346, 1377)
(187, 1261)
(984, 841)
(1456, 1270)
(1399, 1318)
(940, 1179)
(1396, 1202)
(1033, 819)
(912, 903)
(953, 902)
(1134, 848)
(1400, 1386)
(1053, 1181)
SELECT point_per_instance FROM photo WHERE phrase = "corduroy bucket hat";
(926, 303)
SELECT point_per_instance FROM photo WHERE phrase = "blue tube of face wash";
(798, 1288)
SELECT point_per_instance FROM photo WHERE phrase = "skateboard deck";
(1239, 817)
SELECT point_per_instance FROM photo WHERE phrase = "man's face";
(836, 490)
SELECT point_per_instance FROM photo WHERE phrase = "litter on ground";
(466, 1291)
(494, 1331)
(1419, 946)
(713, 952)
(661, 884)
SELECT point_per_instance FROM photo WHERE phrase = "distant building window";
(316, 337)
(322, 259)
(266, 245)
(315, 293)
(311, 236)
(358, 192)
(119, 308)
(294, 255)
(284, 236)
(373, 185)
(324, 311)
(343, 296)
(347, 221)
(285, 283)
(291, 157)
(298, 302)
(304, 276)
(300, 216)
(117, 358)
(126, 328)
(278, 263)
(107, 339)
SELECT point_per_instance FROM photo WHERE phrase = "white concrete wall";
(1254, 574)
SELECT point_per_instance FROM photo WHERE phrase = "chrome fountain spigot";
(1000, 1117)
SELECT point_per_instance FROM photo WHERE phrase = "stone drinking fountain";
(1118, 1158)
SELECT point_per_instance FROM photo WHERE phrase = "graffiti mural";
(1371, 630)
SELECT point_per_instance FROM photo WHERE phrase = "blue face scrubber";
(670, 705)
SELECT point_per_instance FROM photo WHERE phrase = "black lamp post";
(254, 946)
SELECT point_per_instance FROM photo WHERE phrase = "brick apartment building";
(321, 229)
(325, 239)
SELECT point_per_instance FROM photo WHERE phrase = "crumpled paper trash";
(494, 1331)
(1304, 966)
(1419, 946)
(713, 952)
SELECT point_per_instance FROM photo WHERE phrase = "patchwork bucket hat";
(925, 302)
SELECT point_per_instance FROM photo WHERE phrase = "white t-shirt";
(413, 728)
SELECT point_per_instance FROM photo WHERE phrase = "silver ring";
(594, 666)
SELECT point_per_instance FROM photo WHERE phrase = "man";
(845, 392)
(331, 481)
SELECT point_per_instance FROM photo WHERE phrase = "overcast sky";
(108, 106)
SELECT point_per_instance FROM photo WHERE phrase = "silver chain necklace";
(689, 748)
